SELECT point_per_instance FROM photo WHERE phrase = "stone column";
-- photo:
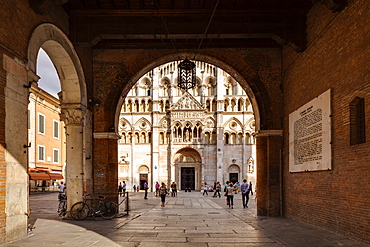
(73, 117)
(269, 146)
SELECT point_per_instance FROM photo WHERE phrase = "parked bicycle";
(107, 210)
(62, 207)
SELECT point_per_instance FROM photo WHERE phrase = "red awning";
(39, 176)
(56, 176)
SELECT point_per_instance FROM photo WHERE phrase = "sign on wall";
(310, 135)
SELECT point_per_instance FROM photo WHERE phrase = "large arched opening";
(73, 103)
(268, 130)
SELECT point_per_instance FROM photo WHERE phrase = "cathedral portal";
(188, 169)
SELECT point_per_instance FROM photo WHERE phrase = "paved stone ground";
(190, 219)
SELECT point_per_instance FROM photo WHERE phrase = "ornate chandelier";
(186, 76)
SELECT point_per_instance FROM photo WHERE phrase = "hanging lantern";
(186, 75)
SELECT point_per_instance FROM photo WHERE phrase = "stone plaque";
(310, 136)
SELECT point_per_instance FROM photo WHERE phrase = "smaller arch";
(143, 169)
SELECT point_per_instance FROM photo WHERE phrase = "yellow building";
(46, 141)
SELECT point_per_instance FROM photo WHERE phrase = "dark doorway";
(234, 177)
(187, 178)
(143, 178)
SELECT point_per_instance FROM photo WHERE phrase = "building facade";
(202, 135)
(46, 141)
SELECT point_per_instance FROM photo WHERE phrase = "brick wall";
(337, 57)
(2, 151)
(16, 26)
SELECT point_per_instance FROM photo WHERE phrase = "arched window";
(142, 106)
(149, 137)
(226, 138)
(226, 105)
(233, 105)
(247, 138)
(137, 107)
(123, 138)
(137, 138)
(129, 106)
(129, 138)
(161, 138)
(143, 138)
(240, 104)
(168, 137)
(233, 138)
(150, 106)
(240, 138)
(214, 105)
(214, 138)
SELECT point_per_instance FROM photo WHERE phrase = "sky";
(49, 77)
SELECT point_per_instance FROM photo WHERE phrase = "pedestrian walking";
(225, 190)
(250, 187)
(157, 186)
(163, 192)
(174, 189)
(217, 190)
(123, 188)
(120, 189)
(229, 195)
(244, 188)
(146, 190)
(205, 189)
(134, 188)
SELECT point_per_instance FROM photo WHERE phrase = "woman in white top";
(205, 189)
(230, 195)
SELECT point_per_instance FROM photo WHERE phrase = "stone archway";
(73, 101)
(187, 169)
(127, 66)
(234, 173)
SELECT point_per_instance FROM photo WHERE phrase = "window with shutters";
(41, 154)
(41, 124)
(55, 129)
(55, 155)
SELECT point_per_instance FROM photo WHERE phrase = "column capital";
(73, 114)
(106, 135)
(262, 133)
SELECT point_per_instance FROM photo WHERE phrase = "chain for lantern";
(187, 79)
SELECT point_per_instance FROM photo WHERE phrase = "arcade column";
(269, 149)
(73, 117)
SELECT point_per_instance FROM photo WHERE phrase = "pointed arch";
(142, 123)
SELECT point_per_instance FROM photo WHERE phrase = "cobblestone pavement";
(190, 219)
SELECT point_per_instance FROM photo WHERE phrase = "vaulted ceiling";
(189, 24)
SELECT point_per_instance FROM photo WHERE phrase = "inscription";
(309, 136)
(187, 115)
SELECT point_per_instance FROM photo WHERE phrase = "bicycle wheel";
(80, 210)
(108, 210)
(62, 208)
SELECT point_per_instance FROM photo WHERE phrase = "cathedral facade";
(202, 135)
